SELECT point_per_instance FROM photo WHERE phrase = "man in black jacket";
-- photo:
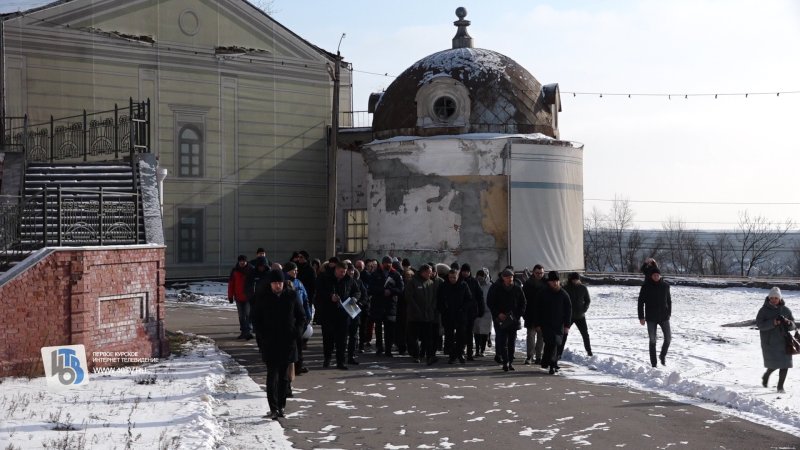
(579, 296)
(480, 304)
(456, 305)
(554, 320)
(333, 288)
(507, 304)
(655, 309)
(278, 319)
(533, 289)
(385, 285)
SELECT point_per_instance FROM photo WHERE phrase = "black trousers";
(552, 342)
(384, 335)
(455, 336)
(334, 334)
(480, 343)
(277, 380)
(505, 343)
(422, 339)
(581, 324)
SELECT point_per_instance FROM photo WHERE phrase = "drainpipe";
(161, 175)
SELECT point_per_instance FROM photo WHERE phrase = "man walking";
(655, 309)
(506, 301)
(237, 292)
(278, 320)
(480, 305)
(554, 320)
(579, 296)
(333, 288)
(533, 289)
(456, 305)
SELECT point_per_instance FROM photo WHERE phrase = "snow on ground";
(204, 399)
(708, 364)
(199, 400)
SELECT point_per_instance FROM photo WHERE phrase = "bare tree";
(757, 240)
(597, 241)
(633, 250)
(268, 6)
(720, 253)
(682, 249)
(796, 259)
(621, 221)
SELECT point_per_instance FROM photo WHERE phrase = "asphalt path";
(393, 403)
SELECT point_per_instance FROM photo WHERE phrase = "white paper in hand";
(351, 307)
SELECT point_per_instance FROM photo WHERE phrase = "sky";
(727, 155)
(700, 160)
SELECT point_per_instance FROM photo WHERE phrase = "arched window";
(190, 152)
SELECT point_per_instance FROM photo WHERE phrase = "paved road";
(394, 404)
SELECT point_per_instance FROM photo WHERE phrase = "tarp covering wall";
(546, 206)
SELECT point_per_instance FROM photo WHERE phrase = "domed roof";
(466, 90)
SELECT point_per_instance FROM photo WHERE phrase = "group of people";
(438, 309)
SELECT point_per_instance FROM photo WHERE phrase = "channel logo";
(65, 366)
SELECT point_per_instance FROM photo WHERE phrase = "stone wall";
(110, 299)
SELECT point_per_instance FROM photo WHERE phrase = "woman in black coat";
(774, 319)
(456, 305)
(278, 320)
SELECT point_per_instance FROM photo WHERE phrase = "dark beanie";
(276, 275)
(465, 268)
(552, 276)
(655, 270)
(242, 258)
(574, 276)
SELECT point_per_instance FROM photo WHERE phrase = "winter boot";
(653, 360)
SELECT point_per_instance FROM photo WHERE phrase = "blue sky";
(726, 150)
(729, 154)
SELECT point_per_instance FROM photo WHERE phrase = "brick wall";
(110, 299)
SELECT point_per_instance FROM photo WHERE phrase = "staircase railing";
(58, 217)
(99, 136)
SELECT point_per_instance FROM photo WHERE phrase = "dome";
(466, 90)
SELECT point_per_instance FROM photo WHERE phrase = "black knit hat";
(552, 276)
(574, 276)
(465, 268)
(276, 275)
(242, 258)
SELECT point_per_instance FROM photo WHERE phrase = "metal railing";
(355, 119)
(99, 136)
(67, 217)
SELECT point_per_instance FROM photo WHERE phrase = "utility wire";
(692, 202)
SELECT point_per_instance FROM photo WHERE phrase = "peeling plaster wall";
(445, 200)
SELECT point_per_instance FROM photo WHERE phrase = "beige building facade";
(240, 113)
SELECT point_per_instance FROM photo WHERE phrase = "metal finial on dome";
(462, 39)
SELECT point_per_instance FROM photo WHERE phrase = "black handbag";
(792, 343)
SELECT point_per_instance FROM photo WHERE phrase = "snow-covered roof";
(538, 138)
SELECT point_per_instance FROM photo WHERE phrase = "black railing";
(102, 136)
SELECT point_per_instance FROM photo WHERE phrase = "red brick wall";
(108, 299)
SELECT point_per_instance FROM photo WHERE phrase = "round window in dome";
(444, 107)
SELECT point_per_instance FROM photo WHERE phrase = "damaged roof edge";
(11, 15)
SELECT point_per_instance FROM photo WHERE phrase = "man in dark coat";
(480, 304)
(333, 288)
(278, 319)
(506, 301)
(579, 296)
(456, 306)
(385, 284)
(533, 289)
(257, 277)
(305, 273)
(422, 315)
(554, 320)
(655, 309)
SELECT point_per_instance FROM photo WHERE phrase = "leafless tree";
(720, 254)
(757, 240)
(596, 241)
(620, 223)
(268, 6)
(683, 252)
